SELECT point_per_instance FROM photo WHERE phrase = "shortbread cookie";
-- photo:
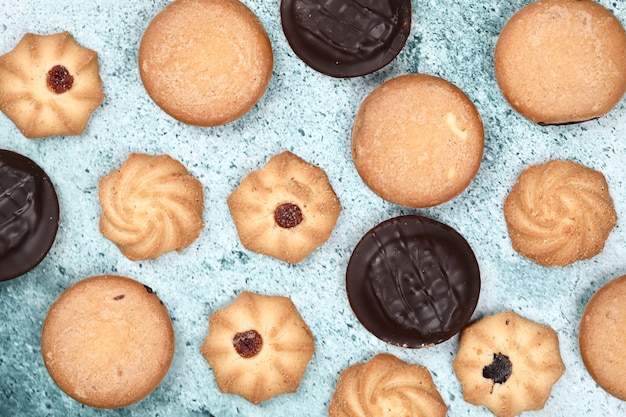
(151, 205)
(205, 62)
(602, 337)
(258, 347)
(50, 85)
(559, 212)
(107, 341)
(286, 209)
(508, 363)
(386, 386)
(417, 141)
(562, 61)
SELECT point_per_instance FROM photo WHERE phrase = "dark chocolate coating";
(413, 281)
(29, 214)
(346, 38)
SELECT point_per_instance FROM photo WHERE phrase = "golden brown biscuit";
(150, 205)
(50, 85)
(286, 209)
(386, 386)
(107, 341)
(417, 141)
(602, 337)
(562, 61)
(508, 363)
(205, 62)
(258, 347)
(559, 212)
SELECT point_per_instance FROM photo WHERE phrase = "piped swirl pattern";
(559, 212)
(386, 386)
(151, 205)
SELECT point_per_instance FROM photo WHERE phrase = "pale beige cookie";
(150, 205)
(508, 363)
(559, 212)
(562, 61)
(258, 347)
(286, 209)
(50, 85)
(107, 341)
(602, 337)
(417, 141)
(386, 386)
(205, 62)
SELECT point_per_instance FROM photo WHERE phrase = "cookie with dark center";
(258, 347)
(508, 363)
(286, 210)
(29, 214)
(346, 38)
(413, 281)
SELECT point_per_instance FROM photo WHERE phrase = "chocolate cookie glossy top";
(346, 38)
(29, 214)
(413, 281)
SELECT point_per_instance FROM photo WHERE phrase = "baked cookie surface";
(386, 386)
(107, 341)
(150, 205)
(562, 61)
(508, 363)
(205, 62)
(258, 346)
(602, 337)
(50, 85)
(417, 140)
(559, 212)
(286, 210)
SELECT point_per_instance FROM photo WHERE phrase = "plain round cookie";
(205, 62)
(417, 140)
(602, 337)
(107, 341)
(562, 61)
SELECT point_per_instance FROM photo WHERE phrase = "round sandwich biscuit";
(417, 141)
(562, 61)
(602, 337)
(205, 62)
(107, 341)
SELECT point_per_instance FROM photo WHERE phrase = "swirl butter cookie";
(107, 341)
(562, 61)
(602, 336)
(508, 363)
(386, 386)
(50, 85)
(150, 205)
(286, 209)
(417, 140)
(559, 212)
(205, 62)
(258, 347)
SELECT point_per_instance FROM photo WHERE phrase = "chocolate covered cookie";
(346, 38)
(413, 281)
(29, 214)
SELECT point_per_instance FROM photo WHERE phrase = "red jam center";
(59, 79)
(288, 215)
(248, 344)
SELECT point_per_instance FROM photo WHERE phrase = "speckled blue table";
(311, 115)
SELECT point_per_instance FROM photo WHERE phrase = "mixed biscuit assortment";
(413, 282)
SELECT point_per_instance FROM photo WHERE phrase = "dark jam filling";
(499, 370)
(59, 79)
(248, 344)
(288, 215)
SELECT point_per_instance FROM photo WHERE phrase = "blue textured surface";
(311, 115)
